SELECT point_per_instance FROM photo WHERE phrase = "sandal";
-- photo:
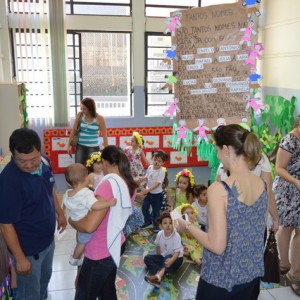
(153, 280)
(293, 282)
(283, 270)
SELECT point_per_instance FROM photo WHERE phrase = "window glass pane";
(157, 71)
(163, 8)
(105, 71)
(103, 1)
(161, 41)
(101, 10)
(104, 8)
(186, 3)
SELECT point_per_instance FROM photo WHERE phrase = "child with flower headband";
(135, 155)
(192, 248)
(185, 182)
(95, 168)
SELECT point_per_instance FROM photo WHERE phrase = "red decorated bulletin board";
(55, 146)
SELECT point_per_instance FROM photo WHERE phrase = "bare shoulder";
(216, 191)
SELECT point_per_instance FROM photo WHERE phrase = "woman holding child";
(102, 253)
(234, 242)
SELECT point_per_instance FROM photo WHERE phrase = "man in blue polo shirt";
(29, 206)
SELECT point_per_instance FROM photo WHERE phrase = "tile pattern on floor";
(130, 279)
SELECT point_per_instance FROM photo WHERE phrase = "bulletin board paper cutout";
(64, 160)
(60, 159)
(59, 143)
(111, 141)
(151, 141)
(177, 157)
(212, 35)
(167, 141)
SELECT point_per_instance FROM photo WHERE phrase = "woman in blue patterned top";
(286, 188)
(237, 207)
(90, 124)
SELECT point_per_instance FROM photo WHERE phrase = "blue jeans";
(97, 279)
(153, 200)
(156, 262)
(34, 286)
(246, 291)
(82, 153)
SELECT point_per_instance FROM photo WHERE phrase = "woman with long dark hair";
(88, 122)
(103, 251)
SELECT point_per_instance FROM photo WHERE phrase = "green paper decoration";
(274, 123)
(270, 126)
(23, 105)
(184, 145)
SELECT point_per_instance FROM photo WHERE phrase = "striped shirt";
(88, 133)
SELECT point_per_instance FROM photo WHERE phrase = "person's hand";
(275, 226)
(113, 201)
(23, 266)
(180, 224)
(297, 184)
(140, 196)
(69, 150)
(168, 262)
(61, 222)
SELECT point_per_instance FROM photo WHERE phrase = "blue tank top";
(88, 134)
(242, 260)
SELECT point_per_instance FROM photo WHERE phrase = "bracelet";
(187, 225)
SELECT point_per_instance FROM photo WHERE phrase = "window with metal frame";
(156, 72)
(99, 67)
(99, 7)
(163, 8)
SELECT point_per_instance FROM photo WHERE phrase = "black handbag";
(271, 261)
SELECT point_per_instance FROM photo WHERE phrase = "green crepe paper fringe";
(184, 146)
(274, 123)
(207, 151)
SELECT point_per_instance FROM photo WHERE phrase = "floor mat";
(131, 285)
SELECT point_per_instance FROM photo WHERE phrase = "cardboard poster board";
(212, 78)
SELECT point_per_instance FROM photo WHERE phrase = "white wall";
(279, 32)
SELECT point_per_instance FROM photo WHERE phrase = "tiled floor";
(61, 286)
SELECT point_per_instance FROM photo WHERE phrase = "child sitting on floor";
(169, 252)
(79, 200)
(192, 248)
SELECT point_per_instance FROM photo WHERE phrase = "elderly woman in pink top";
(102, 253)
